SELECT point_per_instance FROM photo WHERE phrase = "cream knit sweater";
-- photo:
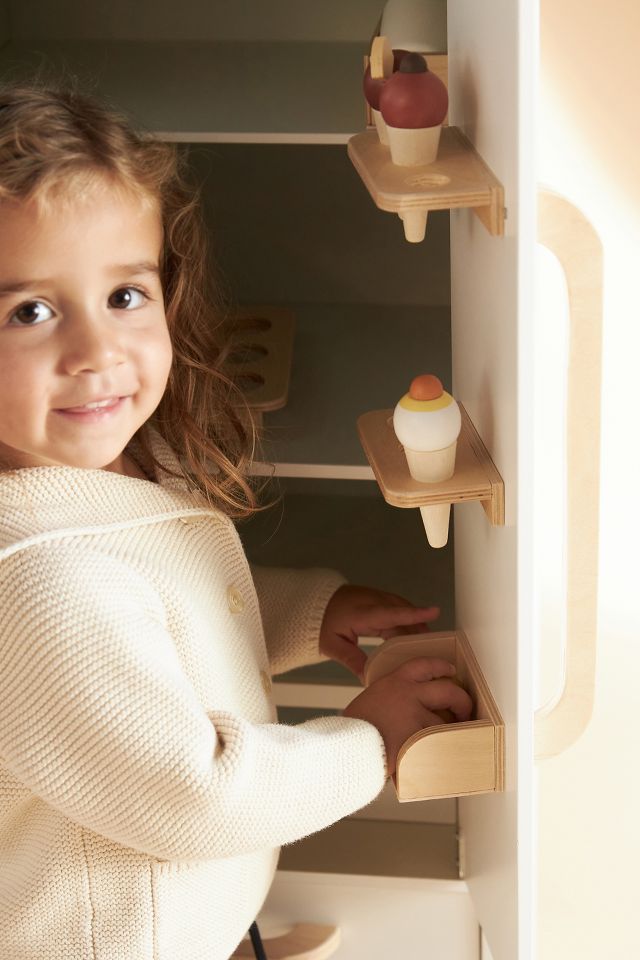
(144, 783)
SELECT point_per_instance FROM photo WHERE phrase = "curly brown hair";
(52, 137)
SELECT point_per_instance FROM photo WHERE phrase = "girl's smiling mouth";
(94, 411)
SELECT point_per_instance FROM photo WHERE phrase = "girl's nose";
(92, 345)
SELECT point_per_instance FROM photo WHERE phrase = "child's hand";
(402, 702)
(353, 611)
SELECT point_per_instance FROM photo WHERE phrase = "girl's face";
(84, 346)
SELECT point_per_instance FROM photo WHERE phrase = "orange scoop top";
(425, 387)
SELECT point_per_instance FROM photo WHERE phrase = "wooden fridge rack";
(475, 477)
(261, 356)
(449, 759)
(458, 178)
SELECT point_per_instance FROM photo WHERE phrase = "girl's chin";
(94, 459)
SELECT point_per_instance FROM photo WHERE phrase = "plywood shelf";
(459, 178)
(475, 476)
(261, 355)
(454, 759)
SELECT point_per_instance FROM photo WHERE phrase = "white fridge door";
(589, 776)
(492, 56)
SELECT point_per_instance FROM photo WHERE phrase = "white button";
(265, 680)
(235, 600)
(189, 520)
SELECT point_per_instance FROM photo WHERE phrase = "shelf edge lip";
(220, 136)
(446, 884)
(469, 496)
(311, 471)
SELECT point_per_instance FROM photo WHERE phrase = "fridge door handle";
(564, 230)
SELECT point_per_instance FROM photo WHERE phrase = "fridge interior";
(292, 224)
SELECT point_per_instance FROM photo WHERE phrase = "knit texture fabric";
(145, 786)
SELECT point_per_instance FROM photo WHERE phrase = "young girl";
(145, 786)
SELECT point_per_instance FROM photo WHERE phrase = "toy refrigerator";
(544, 338)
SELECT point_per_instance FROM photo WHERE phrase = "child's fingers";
(421, 627)
(434, 689)
(425, 668)
(393, 599)
(379, 618)
(444, 695)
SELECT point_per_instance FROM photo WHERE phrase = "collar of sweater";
(42, 503)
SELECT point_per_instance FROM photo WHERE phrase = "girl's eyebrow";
(144, 266)
(130, 269)
(17, 286)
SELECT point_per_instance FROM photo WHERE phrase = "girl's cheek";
(158, 357)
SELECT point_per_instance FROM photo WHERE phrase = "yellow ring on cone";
(426, 406)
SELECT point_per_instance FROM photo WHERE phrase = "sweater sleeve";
(99, 720)
(292, 605)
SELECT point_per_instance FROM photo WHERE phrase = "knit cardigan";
(145, 785)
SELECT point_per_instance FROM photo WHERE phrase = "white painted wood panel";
(379, 917)
(589, 833)
(491, 49)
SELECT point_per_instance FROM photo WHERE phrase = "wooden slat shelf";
(262, 354)
(452, 759)
(475, 477)
(459, 178)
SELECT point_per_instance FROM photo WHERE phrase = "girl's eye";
(127, 298)
(31, 313)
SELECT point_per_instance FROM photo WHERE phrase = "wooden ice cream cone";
(381, 127)
(436, 523)
(414, 103)
(432, 466)
(413, 147)
(415, 224)
(429, 417)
